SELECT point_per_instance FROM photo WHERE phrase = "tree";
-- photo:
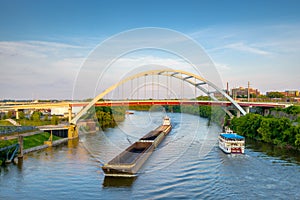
(297, 141)
(204, 98)
(275, 95)
(265, 130)
(279, 131)
(9, 114)
(292, 110)
(54, 120)
(21, 115)
(36, 116)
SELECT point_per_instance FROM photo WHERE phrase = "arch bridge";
(195, 80)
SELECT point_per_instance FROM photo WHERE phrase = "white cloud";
(240, 46)
(222, 67)
(259, 40)
(261, 54)
(282, 46)
(41, 69)
(247, 48)
(38, 68)
(48, 69)
(121, 68)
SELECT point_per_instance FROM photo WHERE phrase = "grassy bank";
(28, 122)
(5, 123)
(30, 141)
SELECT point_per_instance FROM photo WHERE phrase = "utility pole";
(248, 91)
(227, 88)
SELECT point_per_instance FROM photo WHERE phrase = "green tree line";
(278, 131)
(35, 119)
(109, 116)
(38, 119)
(213, 113)
(292, 110)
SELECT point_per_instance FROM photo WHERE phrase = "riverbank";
(54, 143)
(281, 132)
(32, 141)
(288, 155)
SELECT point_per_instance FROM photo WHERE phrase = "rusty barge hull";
(128, 162)
(156, 137)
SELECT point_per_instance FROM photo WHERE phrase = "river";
(188, 164)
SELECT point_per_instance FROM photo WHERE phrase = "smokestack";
(227, 88)
(248, 91)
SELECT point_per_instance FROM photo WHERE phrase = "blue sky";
(44, 43)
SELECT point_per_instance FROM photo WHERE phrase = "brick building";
(243, 92)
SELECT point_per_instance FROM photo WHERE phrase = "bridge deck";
(139, 102)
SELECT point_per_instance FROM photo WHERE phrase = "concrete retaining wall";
(55, 143)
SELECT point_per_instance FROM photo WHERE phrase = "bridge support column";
(72, 132)
(247, 109)
(17, 113)
(20, 141)
(70, 113)
(49, 142)
(238, 113)
(266, 111)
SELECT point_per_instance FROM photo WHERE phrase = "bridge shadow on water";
(118, 181)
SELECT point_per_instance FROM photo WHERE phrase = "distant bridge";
(183, 102)
(70, 105)
(196, 81)
(32, 106)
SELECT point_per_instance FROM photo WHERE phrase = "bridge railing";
(6, 130)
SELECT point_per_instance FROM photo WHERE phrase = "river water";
(188, 164)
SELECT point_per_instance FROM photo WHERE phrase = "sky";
(44, 45)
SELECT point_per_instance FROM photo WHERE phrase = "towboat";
(128, 112)
(156, 136)
(128, 162)
(231, 143)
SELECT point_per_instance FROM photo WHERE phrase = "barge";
(231, 143)
(128, 162)
(156, 136)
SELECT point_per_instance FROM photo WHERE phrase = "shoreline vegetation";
(273, 129)
(214, 114)
(280, 128)
(35, 119)
(108, 117)
(28, 141)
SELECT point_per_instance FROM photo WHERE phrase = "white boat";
(230, 142)
(167, 121)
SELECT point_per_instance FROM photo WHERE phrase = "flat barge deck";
(128, 162)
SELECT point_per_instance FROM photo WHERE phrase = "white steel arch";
(188, 77)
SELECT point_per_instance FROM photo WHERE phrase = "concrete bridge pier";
(238, 113)
(17, 114)
(247, 109)
(70, 113)
(21, 146)
(72, 132)
(266, 111)
(49, 142)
